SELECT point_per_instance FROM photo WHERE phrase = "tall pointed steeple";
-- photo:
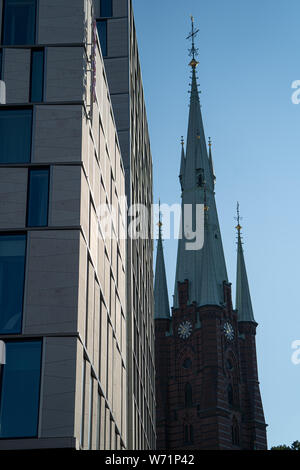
(196, 179)
(243, 298)
(161, 298)
(204, 333)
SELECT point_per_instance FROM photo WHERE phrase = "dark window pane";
(230, 394)
(102, 32)
(20, 389)
(191, 434)
(15, 135)
(1, 55)
(37, 215)
(37, 75)
(186, 433)
(106, 8)
(19, 22)
(187, 363)
(12, 268)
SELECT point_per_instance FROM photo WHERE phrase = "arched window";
(187, 363)
(188, 396)
(191, 434)
(188, 434)
(235, 433)
(230, 394)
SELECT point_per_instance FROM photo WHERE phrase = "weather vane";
(238, 218)
(193, 51)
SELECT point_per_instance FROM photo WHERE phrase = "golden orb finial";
(193, 63)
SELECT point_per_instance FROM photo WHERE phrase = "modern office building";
(117, 34)
(63, 314)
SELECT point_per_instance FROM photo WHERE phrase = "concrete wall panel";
(58, 391)
(57, 134)
(61, 22)
(65, 196)
(17, 75)
(120, 7)
(52, 282)
(64, 74)
(117, 37)
(13, 197)
(117, 71)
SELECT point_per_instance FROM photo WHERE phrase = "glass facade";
(20, 389)
(12, 272)
(106, 8)
(37, 76)
(15, 135)
(102, 32)
(38, 198)
(1, 55)
(19, 22)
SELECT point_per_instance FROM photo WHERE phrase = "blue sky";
(248, 59)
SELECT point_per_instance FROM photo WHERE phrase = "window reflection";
(15, 135)
(12, 271)
(37, 212)
(37, 76)
(102, 32)
(106, 8)
(19, 397)
(19, 22)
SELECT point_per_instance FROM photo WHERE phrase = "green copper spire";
(197, 179)
(161, 298)
(243, 298)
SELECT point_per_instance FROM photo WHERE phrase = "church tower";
(207, 388)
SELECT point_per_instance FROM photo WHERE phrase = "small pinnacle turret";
(211, 161)
(243, 298)
(182, 163)
(161, 297)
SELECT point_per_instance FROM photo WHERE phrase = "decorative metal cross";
(193, 51)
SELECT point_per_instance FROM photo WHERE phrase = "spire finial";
(209, 142)
(193, 52)
(159, 220)
(238, 219)
(182, 141)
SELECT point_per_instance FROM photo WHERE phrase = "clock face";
(228, 331)
(185, 329)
